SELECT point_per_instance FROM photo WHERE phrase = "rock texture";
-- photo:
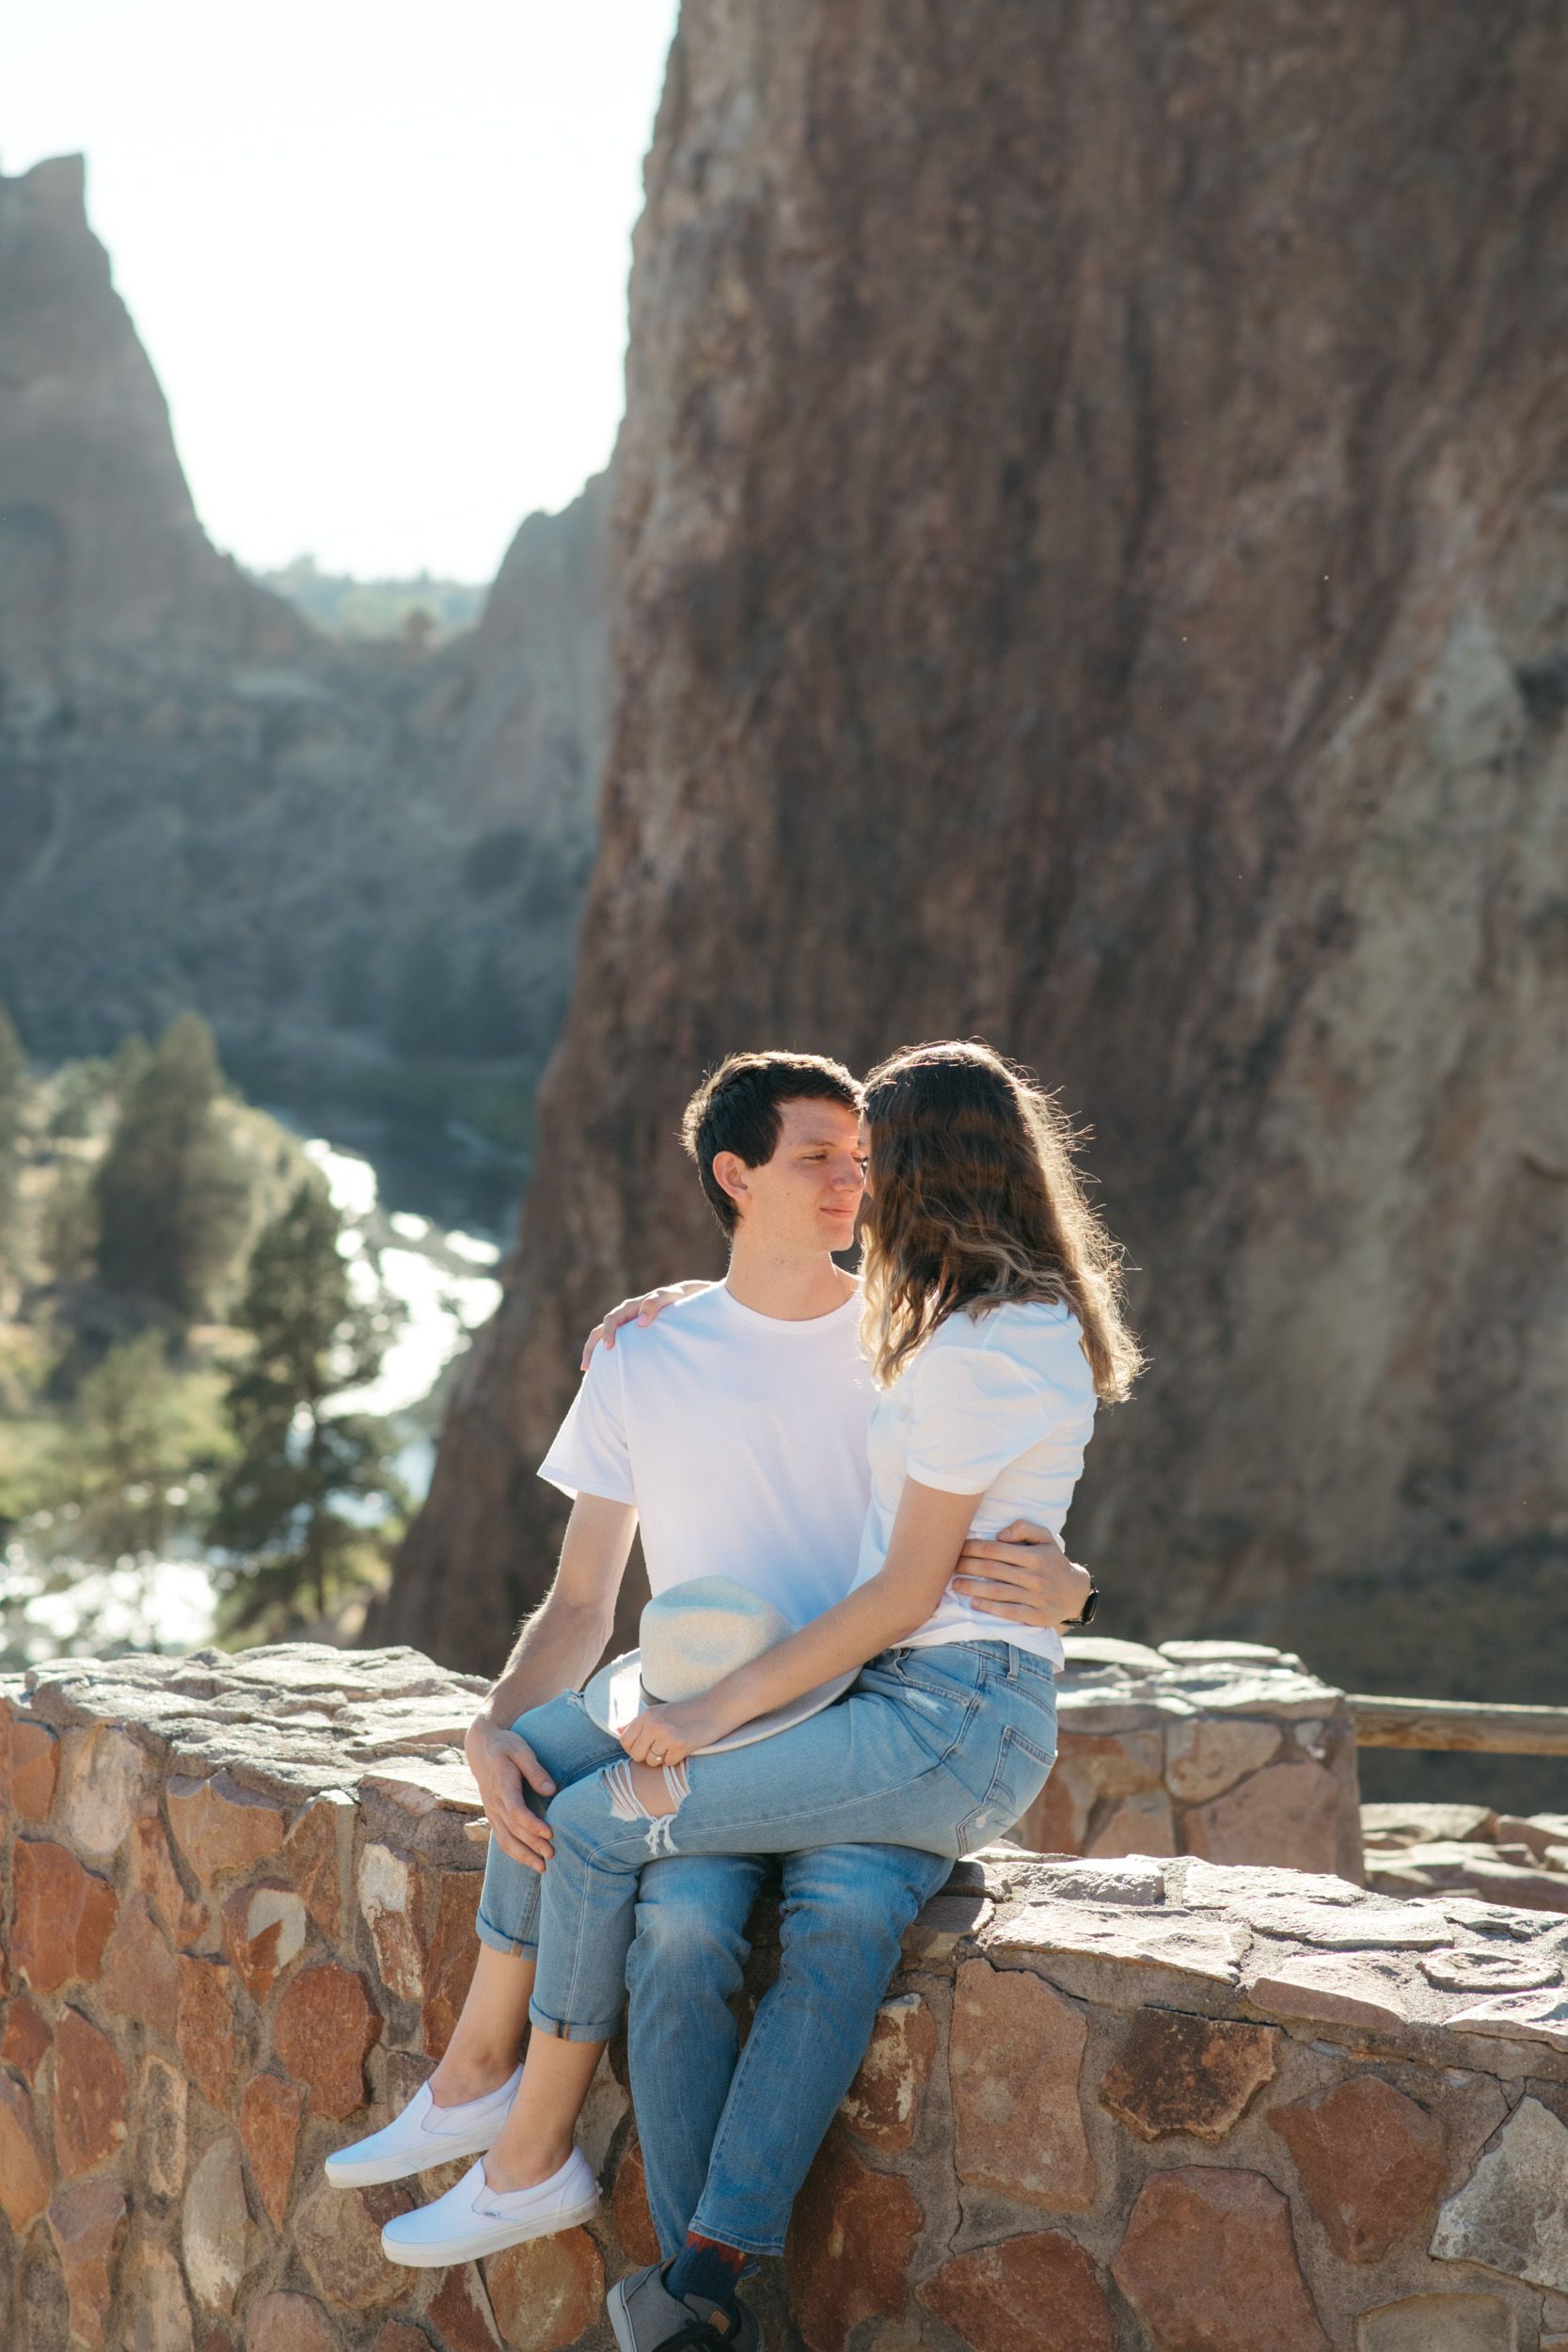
(1229, 1750)
(1208, 2262)
(327, 849)
(1462, 1848)
(1088, 570)
(1099, 2110)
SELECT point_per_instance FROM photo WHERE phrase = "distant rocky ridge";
(345, 855)
(1089, 569)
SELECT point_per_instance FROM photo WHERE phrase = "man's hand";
(1022, 1574)
(641, 1309)
(505, 1765)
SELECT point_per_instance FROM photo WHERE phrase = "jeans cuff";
(722, 2233)
(560, 2029)
(516, 1948)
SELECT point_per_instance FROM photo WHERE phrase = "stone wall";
(1224, 1749)
(1110, 2104)
(1511, 1858)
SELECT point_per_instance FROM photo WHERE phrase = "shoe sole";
(473, 2246)
(620, 2318)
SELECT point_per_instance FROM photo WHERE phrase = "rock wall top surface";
(1227, 1750)
(293, 1723)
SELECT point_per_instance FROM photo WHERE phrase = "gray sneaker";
(645, 2315)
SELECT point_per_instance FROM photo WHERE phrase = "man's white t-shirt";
(999, 1404)
(741, 1440)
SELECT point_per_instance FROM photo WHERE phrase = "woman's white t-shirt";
(999, 1403)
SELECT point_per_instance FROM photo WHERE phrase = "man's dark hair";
(736, 1109)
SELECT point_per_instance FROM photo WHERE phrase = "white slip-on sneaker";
(425, 2136)
(474, 2219)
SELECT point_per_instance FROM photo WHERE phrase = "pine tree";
(172, 1192)
(13, 1099)
(137, 1432)
(292, 1505)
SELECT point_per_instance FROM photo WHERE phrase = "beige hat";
(693, 1635)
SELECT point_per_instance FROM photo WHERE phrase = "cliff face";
(102, 556)
(1089, 570)
(337, 852)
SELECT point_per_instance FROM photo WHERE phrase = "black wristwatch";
(1090, 1606)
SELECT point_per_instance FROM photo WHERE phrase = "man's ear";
(730, 1173)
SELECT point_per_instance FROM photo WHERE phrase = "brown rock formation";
(1188, 2075)
(86, 2221)
(1017, 2123)
(1210, 2264)
(546, 2294)
(851, 2244)
(1089, 571)
(1370, 2164)
(882, 2105)
(326, 2025)
(90, 2094)
(1034, 2294)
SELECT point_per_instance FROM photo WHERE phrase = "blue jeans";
(936, 1749)
(728, 2141)
(728, 2132)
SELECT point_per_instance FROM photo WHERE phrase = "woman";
(992, 1321)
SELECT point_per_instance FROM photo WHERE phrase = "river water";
(443, 1277)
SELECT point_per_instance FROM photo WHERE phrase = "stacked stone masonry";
(1112, 2101)
(1222, 1749)
(1467, 1849)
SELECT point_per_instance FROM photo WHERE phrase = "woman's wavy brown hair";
(974, 1199)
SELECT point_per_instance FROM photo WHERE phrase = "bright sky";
(377, 253)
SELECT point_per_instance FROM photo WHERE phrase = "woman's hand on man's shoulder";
(642, 1310)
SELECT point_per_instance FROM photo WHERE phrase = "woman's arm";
(927, 1536)
(643, 1310)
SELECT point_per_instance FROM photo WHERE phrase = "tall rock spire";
(1090, 570)
(103, 561)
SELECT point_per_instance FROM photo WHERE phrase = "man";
(734, 1429)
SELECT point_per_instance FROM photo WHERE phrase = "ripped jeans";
(728, 2134)
(938, 1749)
(570, 1746)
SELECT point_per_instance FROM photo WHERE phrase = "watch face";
(1090, 1605)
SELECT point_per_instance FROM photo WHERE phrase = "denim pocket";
(939, 1711)
(1021, 1769)
(948, 1670)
